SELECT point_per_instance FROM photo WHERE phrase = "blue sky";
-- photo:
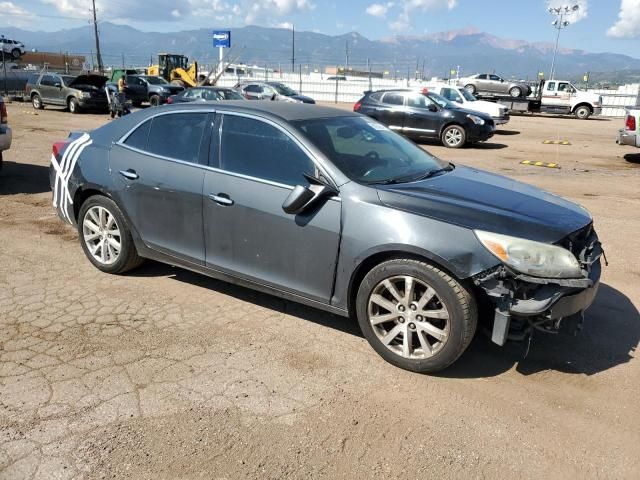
(599, 25)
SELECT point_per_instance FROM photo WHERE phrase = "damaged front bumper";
(523, 303)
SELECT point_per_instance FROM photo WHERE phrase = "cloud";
(378, 9)
(11, 8)
(287, 25)
(628, 24)
(409, 7)
(573, 17)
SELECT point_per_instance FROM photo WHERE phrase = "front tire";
(74, 105)
(515, 92)
(105, 237)
(154, 100)
(415, 316)
(583, 112)
(36, 101)
(454, 136)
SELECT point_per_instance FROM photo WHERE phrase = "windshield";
(367, 151)
(156, 80)
(467, 95)
(440, 100)
(283, 89)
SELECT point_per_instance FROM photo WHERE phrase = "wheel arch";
(582, 104)
(370, 260)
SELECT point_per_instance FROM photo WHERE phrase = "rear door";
(419, 120)
(553, 96)
(391, 110)
(158, 170)
(49, 92)
(247, 233)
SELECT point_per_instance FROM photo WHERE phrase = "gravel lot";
(163, 373)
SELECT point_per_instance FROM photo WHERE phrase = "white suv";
(13, 48)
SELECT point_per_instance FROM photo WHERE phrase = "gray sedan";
(331, 209)
(491, 83)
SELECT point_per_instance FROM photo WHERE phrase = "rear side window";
(393, 99)
(177, 135)
(551, 86)
(257, 149)
(482, 77)
(138, 139)
(376, 96)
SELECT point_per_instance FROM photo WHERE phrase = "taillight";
(630, 124)
(4, 118)
(57, 148)
(356, 107)
(170, 100)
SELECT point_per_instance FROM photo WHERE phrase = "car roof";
(286, 111)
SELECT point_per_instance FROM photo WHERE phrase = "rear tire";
(15, 53)
(454, 136)
(105, 236)
(582, 112)
(74, 105)
(470, 88)
(36, 101)
(433, 316)
(515, 92)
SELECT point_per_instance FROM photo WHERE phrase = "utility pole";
(293, 48)
(346, 54)
(422, 74)
(95, 31)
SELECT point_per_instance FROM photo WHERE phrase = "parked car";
(331, 209)
(77, 93)
(14, 48)
(5, 131)
(271, 91)
(490, 83)
(630, 134)
(421, 115)
(148, 88)
(205, 94)
(462, 98)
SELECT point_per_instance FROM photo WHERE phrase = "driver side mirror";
(302, 198)
(432, 108)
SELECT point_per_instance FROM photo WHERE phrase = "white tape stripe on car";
(64, 169)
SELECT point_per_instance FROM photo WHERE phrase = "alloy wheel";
(453, 137)
(101, 235)
(408, 317)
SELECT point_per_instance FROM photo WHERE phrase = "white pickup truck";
(630, 134)
(554, 96)
(465, 99)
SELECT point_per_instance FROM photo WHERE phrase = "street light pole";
(559, 23)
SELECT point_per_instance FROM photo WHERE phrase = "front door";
(158, 172)
(136, 89)
(246, 231)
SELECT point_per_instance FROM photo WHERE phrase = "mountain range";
(435, 54)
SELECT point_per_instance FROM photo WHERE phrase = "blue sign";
(222, 38)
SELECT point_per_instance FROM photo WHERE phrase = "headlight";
(531, 258)
(475, 119)
(85, 95)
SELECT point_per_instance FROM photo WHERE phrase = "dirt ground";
(163, 373)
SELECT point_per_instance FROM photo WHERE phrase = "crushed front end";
(523, 303)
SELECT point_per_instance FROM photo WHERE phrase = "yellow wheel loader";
(175, 69)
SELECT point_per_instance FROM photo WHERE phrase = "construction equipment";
(175, 69)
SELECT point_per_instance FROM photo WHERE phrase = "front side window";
(482, 77)
(256, 149)
(175, 135)
(418, 100)
(48, 81)
(563, 87)
(393, 99)
(366, 151)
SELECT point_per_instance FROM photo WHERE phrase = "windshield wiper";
(412, 178)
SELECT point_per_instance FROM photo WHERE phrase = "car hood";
(480, 200)
(97, 81)
(303, 98)
(454, 107)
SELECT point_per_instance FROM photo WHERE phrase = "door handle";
(221, 199)
(130, 174)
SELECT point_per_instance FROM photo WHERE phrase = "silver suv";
(12, 47)
(491, 83)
